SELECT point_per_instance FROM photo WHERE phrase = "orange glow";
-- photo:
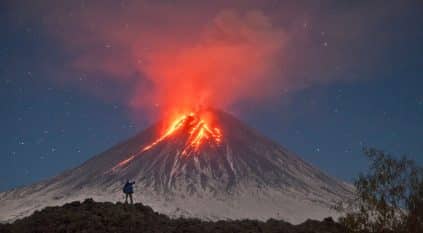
(176, 124)
(195, 127)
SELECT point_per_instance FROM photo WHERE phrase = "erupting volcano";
(204, 164)
(198, 131)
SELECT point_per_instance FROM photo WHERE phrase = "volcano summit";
(207, 165)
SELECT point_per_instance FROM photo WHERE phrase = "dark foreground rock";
(90, 216)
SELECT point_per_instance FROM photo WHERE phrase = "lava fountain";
(199, 131)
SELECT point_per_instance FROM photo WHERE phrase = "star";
(39, 141)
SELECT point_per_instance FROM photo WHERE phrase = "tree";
(389, 197)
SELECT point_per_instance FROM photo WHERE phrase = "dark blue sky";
(49, 124)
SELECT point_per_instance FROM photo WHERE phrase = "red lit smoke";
(175, 57)
(234, 58)
(204, 53)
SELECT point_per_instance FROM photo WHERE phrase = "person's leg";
(126, 198)
(132, 200)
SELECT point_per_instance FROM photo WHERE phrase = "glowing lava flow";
(198, 130)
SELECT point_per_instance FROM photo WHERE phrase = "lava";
(199, 131)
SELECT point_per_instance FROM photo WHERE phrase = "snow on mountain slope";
(240, 175)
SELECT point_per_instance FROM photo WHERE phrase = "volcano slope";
(221, 171)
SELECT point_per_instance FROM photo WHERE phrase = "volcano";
(195, 166)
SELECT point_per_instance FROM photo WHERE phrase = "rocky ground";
(90, 216)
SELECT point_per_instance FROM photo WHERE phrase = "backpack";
(126, 188)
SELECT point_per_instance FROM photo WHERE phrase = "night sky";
(348, 74)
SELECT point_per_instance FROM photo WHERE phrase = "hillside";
(90, 216)
(198, 168)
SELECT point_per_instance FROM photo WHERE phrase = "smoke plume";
(199, 53)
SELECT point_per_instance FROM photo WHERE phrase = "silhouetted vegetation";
(90, 216)
(389, 197)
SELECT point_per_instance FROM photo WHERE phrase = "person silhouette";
(128, 190)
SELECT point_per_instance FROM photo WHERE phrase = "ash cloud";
(218, 53)
(235, 57)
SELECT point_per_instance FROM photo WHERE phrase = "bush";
(389, 198)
